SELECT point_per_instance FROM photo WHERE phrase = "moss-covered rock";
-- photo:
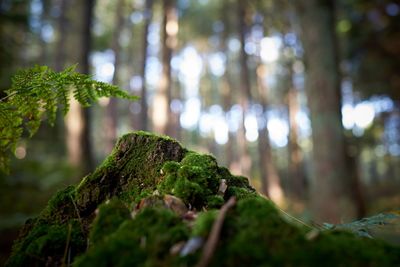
(153, 203)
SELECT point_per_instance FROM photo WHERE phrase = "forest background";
(300, 96)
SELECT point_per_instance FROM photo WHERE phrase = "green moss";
(204, 222)
(196, 180)
(254, 233)
(110, 215)
(132, 168)
(142, 241)
(239, 193)
(47, 239)
(140, 172)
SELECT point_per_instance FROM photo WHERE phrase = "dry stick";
(67, 245)
(212, 239)
(77, 213)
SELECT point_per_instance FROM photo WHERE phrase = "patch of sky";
(103, 65)
(191, 113)
(136, 17)
(217, 62)
(270, 48)
(278, 130)
(47, 33)
(234, 45)
(153, 70)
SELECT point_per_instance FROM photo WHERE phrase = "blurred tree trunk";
(111, 117)
(226, 83)
(270, 182)
(148, 15)
(296, 173)
(357, 188)
(79, 16)
(331, 199)
(245, 87)
(162, 100)
(44, 54)
(60, 57)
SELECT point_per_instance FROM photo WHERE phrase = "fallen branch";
(212, 239)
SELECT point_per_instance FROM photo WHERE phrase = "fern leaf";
(36, 94)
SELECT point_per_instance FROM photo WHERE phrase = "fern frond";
(36, 94)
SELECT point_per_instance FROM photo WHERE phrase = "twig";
(8, 96)
(77, 213)
(67, 245)
(212, 239)
(287, 214)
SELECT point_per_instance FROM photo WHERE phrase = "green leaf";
(35, 96)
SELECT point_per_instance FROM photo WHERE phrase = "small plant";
(36, 94)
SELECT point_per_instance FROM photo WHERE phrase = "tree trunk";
(148, 14)
(62, 30)
(161, 107)
(296, 173)
(111, 117)
(79, 18)
(270, 182)
(330, 187)
(245, 89)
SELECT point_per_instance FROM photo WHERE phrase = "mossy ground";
(151, 200)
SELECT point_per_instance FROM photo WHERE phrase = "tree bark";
(270, 181)
(148, 14)
(111, 117)
(245, 89)
(79, 19)
(161, 110)
(296, 173)
(330, 187)
(62, 30)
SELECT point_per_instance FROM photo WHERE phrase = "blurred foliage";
(371, 41)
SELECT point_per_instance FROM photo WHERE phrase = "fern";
(36, 94)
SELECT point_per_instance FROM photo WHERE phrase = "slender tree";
(245, 86)
(161, 107)
(148, 14)
(60, 57)
(296, 173)
(330, 187)
(79, 17)
(111, 118)
(270, 181)
(229, 87)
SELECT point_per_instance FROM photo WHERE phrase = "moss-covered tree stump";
(154, 203)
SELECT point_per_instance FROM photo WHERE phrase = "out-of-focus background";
(300, 96)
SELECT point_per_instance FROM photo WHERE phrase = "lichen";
(151, 199)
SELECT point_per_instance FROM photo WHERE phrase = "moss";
(215, 201)
(196, 180)
(255, 233)
(133, 167)
(142, 241)
(110, 215)
(336, 247)
(239, 193)
(48, 239)
(204, 222)
(150, 175)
